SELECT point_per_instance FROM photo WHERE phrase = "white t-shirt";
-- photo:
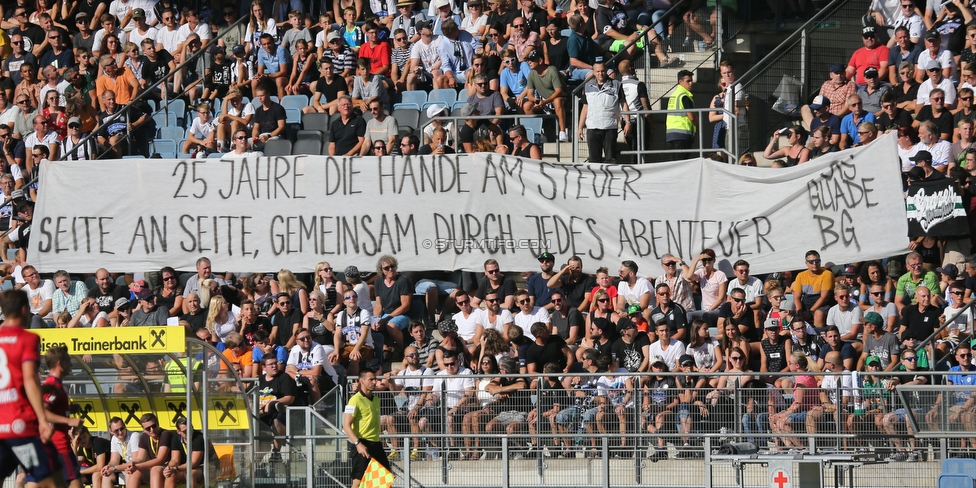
(413, 386)
(136, 37)
(925, 89)
(675, 349)
(50, 138)
(504, 317)
(202, 30)
(939, 151)
(709, 286)
(168, 38)
(943, 60)
(844, 320)
(753, 288)
(525, 321)
(315, 356)
(472, 28)
(453, 388)
(633, 294)
(120, 9)
(964, 322)
(127, 448)
(428, 54)
(468, 326)
(202, 130)
(829, 385)
(9, 114)
(44, 292)
(100, 35)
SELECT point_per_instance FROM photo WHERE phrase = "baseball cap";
(138, 13)
(849, 271)
(657, 359)
(771, 324)
(921, 156)
(819, 101)
(466, 110)
(837, 68)
(632, 309)
(333, 35)
(625, 323)
(74, 120)
(686, 360)
(871, 72)
(932, 34)
(872, 360)
(546, 257)
(601, 323)
(121, 303)
(949, 269)
(533, 54)
(869, 31)
(238, 50)
(873, 318)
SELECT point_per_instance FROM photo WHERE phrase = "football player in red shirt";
(56, 402)
(25, 434)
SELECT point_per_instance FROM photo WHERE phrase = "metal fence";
(638, 429)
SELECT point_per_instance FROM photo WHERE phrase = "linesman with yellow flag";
(361, 423)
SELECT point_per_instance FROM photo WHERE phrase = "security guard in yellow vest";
(681, 128)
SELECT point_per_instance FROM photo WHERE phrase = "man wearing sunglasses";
(813, 287)
(154, 450)
(125, 444)
(308, 364)
(528, 316)
(20, 55)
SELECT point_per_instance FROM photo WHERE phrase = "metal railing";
(701, 150)
(430, 455)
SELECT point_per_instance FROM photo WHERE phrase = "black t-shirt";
(89, 7)
(564, 324)
(631, 355)
(748, 319)
(884, 122)
(153, 71)
(426, 149)
(99, 446)
(677, 318)
(906, 96)
(33, 35)
(942, 122)
(607, 18)
(196, 445)
(261, 323)
(197, 321)
(506, 288)
(346, 136)
(922, 324)
(390, 295)
(551, 352)
(331, 90)
(280, 386)
(165, 439)
(285, 324)
(267, 120)
(465, 134)
(575, 292)
(106, 300)
(220, 73)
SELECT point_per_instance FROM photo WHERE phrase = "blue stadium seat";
(294, 101)
(458, 104)
(278, 147)
(418, 97)
(534, 123)
(170, 132)
(307, 146)
(176, 105)
(7, 285)
(165, 147)
(215, 155)
(959, 466)
(445, 95)
(293, 115)
(414, 106)
(133, 156)
(161, 119)
(955, 481)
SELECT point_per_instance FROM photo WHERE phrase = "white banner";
(449, 213)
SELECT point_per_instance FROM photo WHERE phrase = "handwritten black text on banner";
(454, 212)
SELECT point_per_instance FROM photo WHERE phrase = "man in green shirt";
(910, 281)
(361, 423)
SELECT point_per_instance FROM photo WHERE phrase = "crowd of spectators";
(112, 63)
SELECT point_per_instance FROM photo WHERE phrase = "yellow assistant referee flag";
(376, 476)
